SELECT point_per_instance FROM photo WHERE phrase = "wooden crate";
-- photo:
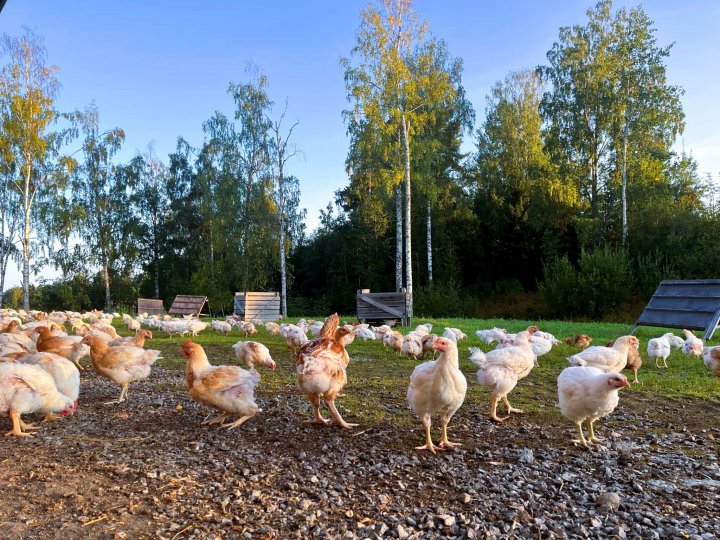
(691, 304)
(257, 305)
(190, 305)
(151, 306)
(382, 306)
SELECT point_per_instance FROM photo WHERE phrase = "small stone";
(449, 521)
(611, 500)
(314, 479)
(595, 522)
(305, 504)
(401, 531)
(465, 498)
(349, 513)
(381, 529)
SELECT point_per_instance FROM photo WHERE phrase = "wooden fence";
(257, 305)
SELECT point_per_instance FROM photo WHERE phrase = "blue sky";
(159, 69)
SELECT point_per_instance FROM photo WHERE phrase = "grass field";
(378, 377)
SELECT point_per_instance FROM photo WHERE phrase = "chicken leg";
(237, 422)
(337, 419)
(217, 420)
(582, 439)
(509, 408)
(591, 432)
(428, 439)
(123, 394)
(493, 410)
(315, 400)
(17, 425)
(444, 442)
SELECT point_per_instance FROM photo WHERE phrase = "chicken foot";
(315, 400)
(18, 424)
(509, 408)
(493, 410)
(123, 396)
(337, 419)
(593, 438)
(217, 420)
(428, 439)
(238, 422)
(444, 442)
(582, 439)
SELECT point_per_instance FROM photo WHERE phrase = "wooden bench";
(151, 306)
(382, 306)
(691, 304)
(257, 305)
(185, 304)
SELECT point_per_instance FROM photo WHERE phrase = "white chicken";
(253, 354)
(196, 326)
(609, 359)
(459, 334)
(365, 334)
(272, 327)
(501, 369)
(693, 345)
(221, 326)
(491, 335)
(295, 336)
(588, 393)
(659, 348)
(412, 345)
(437, 387)
(64, 373)
(27, 389)
(546, 335)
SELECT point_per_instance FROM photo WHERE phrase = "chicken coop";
(387, 307)
(688, 304)
(185, 304)
(257, 305)
(151, 306)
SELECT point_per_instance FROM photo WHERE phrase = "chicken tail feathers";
(331, 325)
(477, 357)
(576, 361)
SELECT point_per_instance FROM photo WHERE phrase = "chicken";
(711, 359)
(221, 326)
(393, 339)
(412, 345)
(272, 327)
(660, 348)
(195, 326)
(588, 393)
(437, 387)
(253, 354)
(132, 324)
(581, 340)
(365, 334)
(545, 335)
(64, 373)
(321, 370)
(634, 362)
(423, 329)
(247, 327)
(63, 346)
(138, 340)
(27, 389)
(693, 345)
(107, 328)
(428, 342)
(609, 359)
(316, 327)
(492, 335)
(294, 336)
(450, 332)
(229, 389)
(501, 369)
(121, 365)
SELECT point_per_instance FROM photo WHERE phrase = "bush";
(438, 300)
(559, 289)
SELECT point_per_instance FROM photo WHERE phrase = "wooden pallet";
(691, 304)
(151, 306)
(257, 305)
(382, 306)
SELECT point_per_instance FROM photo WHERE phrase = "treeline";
(570, 203)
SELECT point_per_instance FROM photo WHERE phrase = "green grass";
(378, 377)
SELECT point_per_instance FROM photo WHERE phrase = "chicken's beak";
(626, 383)
(272, 365)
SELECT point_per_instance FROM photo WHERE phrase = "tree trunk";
(408, 222)
(283, 277)
(398, 238)
(156, 257)
(106, 276)
(429, 243)
(626, 134)
(26, 240)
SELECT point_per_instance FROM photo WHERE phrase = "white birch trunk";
(106, 276)
(283, 277)
(398, 238)
(27, 202)
(429, 243)
(408, 222)
(626, 134)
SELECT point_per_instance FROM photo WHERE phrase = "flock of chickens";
(40, 363)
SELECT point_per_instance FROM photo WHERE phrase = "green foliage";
(559, 288)
(439, 300)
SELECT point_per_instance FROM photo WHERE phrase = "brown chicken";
(634, 362)
(321, 365)
(230, 389)
(121, 365)
(581, 340)
(138, 340)
(65, 346)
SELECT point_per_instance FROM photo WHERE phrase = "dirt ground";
(148, 469)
